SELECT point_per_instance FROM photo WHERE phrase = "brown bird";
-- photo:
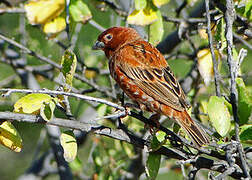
(144, 75)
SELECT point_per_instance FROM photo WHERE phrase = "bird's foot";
(154, 125)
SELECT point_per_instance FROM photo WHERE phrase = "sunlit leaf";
(79, 11)
(244, 102)
(246, 132)
(144, 16)
(219, 115)
(54, 26)
(156, 30)
(205, 64)
(203, 32)
(140, 4)
(42, 11)
(160, 135)
(159, 3)
(31, 103)
(203, 109)
(9, 136)
(69, 144)
(68, 63)
(46, 110)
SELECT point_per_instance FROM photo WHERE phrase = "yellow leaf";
(205, 64)
(144, 16)
(54, 26)
(69, 144)
(42, 11)
(31, 103)
(159, 3)
(9, 136)
(203, 32)
(90, 74)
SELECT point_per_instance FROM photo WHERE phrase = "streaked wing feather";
(158, 85)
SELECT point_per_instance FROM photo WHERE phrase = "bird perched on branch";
(144, 75)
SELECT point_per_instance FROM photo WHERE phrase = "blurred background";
(99, 157)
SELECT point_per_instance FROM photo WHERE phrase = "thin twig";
(75, 35)
(80, 96)
(179, 20)
(68, 19)
(236, 36)
(49, 61)
(96, 25)
(12, 10)
(117, 9)
(210, 40)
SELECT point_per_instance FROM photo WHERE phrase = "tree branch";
(229, 18)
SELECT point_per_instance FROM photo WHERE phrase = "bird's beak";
(98, 45)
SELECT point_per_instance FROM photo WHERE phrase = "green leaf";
(69, 144)
(31, 103)
(219, 115)
(68, 63)
(9, 136)
(160, 135)
(79, 11)
(244, 102)
(101, 110)
(153, 161)
(248, 9)
(220, 33)
(140, 4)
(155, 144)
(156, 30)
(76, 165)
(152, 165)
(46, 110)
(159, 3)
(246, 132)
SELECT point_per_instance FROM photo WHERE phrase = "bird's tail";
(196, 133)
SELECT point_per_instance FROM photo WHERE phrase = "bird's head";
(115, 37)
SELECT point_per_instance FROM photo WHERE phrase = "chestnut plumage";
(144, 75)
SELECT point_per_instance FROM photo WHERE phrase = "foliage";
(49, 47)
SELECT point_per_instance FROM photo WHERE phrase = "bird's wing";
(155, 80)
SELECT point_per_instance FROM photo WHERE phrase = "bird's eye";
(108, 37)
